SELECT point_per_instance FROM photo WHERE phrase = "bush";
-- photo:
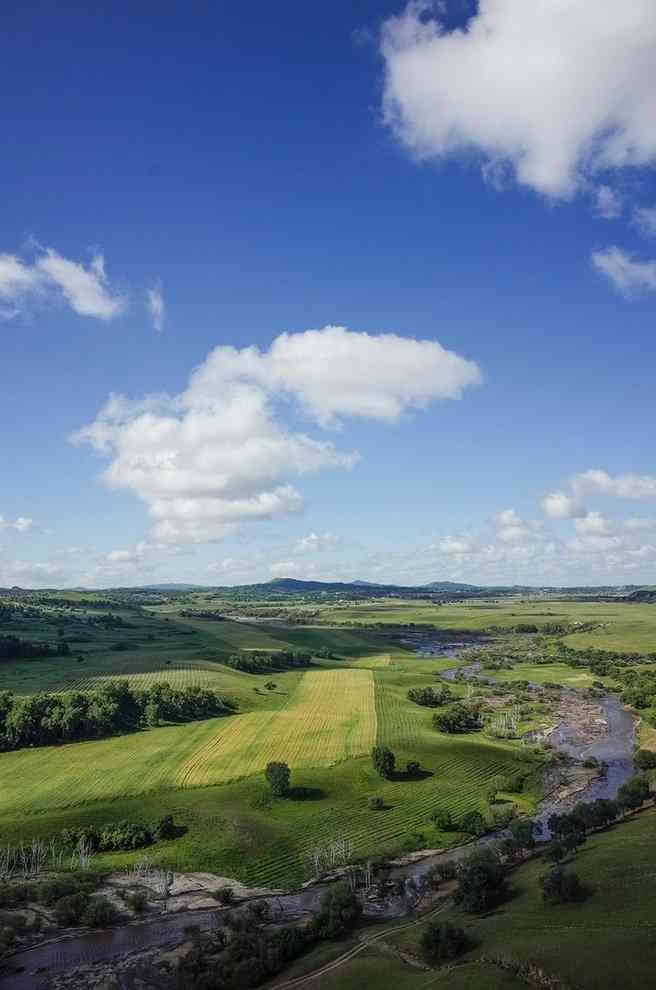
(137, 901)
(560, 886)
(473, 823)
(645, 759)
(442, 820)
(50, 891)
(165, 829)
(70, 910)
(441, 943)
(632, 794)
(99, 913)
(412, 768)
(376, 803)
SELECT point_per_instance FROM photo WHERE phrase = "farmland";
(322, 721)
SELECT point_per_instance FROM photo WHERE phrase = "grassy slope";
(607, 942)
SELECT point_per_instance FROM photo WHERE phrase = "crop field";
(330, 717)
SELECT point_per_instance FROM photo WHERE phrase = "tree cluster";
(384, 761)
(265, 663)
(119, 835)
(47, 719)
(481, 882)
(15, 648)
(458, 718)
(430, 697)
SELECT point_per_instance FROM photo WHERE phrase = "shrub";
(442, 819)
(50, 891)
(412, 768)
(560, 886)
(165, 828)
(645, 759)
(474, 823)
(224, 895)
(137, 901)
(99, 913)
(441, 943)
(376, 803)
(69, 910)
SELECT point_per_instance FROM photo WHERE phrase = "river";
(34, 966)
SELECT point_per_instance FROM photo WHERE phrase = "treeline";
(199, 613)
(265, 663)
(119, 835)
(14, 648)
(48, 719)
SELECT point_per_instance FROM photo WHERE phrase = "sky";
(362, 291)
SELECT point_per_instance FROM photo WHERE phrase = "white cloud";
(560, 505)
(335, 372)
(639, 523)
(627, 274)
(156, 307)
(85, 289)
(644, 218)
(633, 486)
(592, 523)
(21, 524)
(316, 542)
(608, 203)
(216, 456)
(511, 87)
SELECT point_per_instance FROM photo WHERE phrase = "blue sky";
(382, 168)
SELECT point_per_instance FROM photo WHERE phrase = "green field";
(322, 721)
(609, 941)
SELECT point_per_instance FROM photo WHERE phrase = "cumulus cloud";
(84, 288)
(509, 86)
(632, 486)
(21, 524)
(639, 523)
(218, 455)
(608, 203)
(628, 274)
(156, 307)
(644, 218)
(592, 523)
(334, 372)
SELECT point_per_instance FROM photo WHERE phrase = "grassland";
(323, 722)
(606, 942)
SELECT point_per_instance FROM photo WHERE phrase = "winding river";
(32, 967)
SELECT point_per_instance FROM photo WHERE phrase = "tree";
(383, 760)
(278, 776)
(561, 886)
(412, 768)
(474, 823)
(481, 882)
(645, 759)
(441, 943)
(339, 912)
(457, 718)
(634, 792)
(442, 819)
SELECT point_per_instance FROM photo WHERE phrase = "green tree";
(383, 760)
(278, 776)
(481, 882)
(339, 912)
